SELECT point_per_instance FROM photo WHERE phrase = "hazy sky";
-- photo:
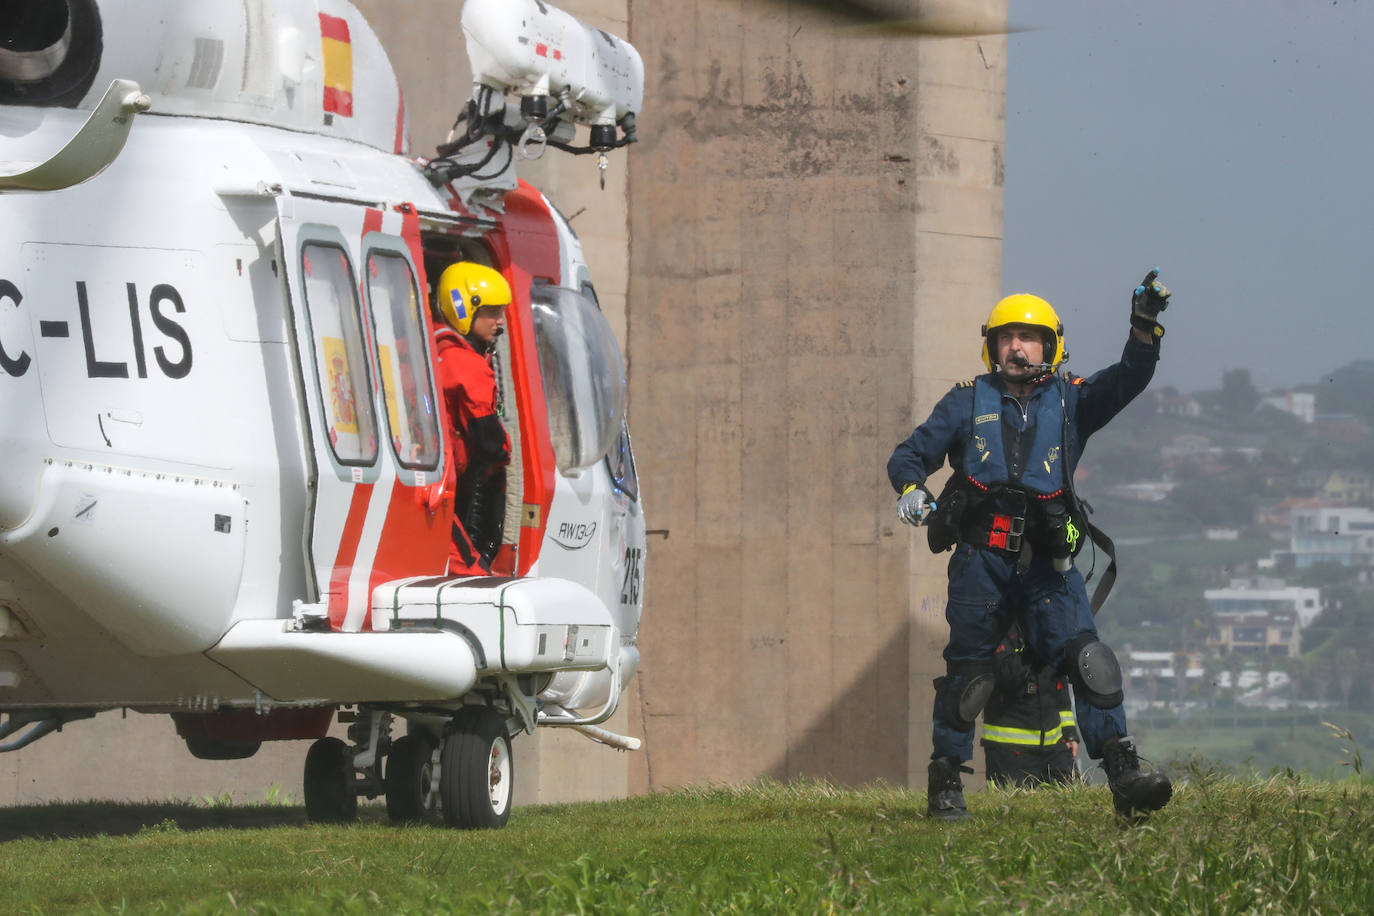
(1226, 143)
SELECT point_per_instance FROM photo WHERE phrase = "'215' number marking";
(634, 576)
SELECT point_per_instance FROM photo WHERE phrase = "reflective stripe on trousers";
(1033, 737)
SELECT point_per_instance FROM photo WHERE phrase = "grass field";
(1283, 845)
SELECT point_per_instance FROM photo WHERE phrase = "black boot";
(945, 793)
(1134, 794)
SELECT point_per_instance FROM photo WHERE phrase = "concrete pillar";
(816, 223)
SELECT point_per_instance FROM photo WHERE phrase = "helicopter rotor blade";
(934, 18)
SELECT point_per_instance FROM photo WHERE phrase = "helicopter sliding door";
(363, 350)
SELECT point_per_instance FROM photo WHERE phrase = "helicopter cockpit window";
(401, 346)
(340, 358)
(584, 376)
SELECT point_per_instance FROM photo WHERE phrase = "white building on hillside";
(1330, 534)
(1261, 595)
(1256, 633)
(1301, 404)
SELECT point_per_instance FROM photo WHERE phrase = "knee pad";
(964, 699)
(1094, 669)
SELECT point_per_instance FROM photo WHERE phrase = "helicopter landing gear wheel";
(411, 793)
(477, 772)
(329, 796)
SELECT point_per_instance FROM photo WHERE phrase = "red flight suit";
(479, 446)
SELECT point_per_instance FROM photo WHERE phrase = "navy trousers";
(1028, 767)
(986, 593)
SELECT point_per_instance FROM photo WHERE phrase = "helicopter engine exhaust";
(50, 52)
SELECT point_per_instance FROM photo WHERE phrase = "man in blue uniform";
(1013, 437)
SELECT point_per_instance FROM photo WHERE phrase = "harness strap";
(1104, 585)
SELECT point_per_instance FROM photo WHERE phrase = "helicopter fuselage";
(224, 448)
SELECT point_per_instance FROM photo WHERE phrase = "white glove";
(915, 505)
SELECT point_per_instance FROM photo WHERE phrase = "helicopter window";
(340, 357)
(584, 376)
(620, 460)
(401, 347)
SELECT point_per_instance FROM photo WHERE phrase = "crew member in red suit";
(472, 300)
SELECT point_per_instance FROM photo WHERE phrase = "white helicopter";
(223, 446)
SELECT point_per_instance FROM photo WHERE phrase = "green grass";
(1287, 844)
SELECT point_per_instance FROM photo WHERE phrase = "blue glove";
(1149, 299)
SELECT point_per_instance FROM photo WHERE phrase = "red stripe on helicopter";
(348, 552)
(372, 222)
(400, 145)
(414, 540)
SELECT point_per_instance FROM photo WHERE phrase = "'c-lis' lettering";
(175, 364)
(13, 365)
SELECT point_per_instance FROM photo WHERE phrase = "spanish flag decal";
(337, 48)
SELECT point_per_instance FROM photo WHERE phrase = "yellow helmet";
(465, 287)
(1023, 308)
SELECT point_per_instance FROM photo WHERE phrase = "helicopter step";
(432, 640)
(512, 624)
(551, 643)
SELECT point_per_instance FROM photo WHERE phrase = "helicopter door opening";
(370, 419)
(442, 249)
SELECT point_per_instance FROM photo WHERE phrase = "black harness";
(1016, 521)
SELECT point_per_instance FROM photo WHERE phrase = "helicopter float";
(225, 454)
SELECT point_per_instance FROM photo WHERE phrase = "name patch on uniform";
(985, 418)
